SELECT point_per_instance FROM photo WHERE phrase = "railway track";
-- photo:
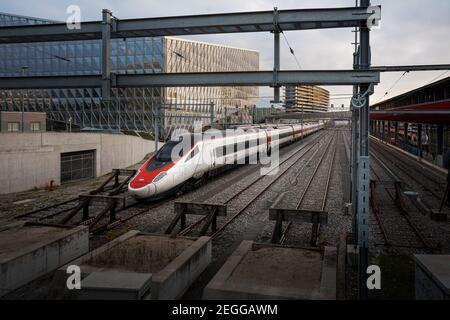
(416, 174)
(314, 196)
(99, 223)
(295, 157)
(397, 228)
(133, 211)
(113, 185)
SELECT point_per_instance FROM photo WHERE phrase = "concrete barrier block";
(30, 250)
(432, 274)
(173, 281)
(115, 285)
(174, 263)
(270, 272)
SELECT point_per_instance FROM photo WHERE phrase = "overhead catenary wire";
(442, 74)
(291, 50)
(393, 86)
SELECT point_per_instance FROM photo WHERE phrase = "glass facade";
(131, 109)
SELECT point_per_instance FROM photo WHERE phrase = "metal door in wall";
(77, 165)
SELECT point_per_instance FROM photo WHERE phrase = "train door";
(269, 142)
(293, 133)
(191, 163)
(212, 153)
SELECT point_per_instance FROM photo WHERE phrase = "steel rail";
(409, 174)
(214, 235)
(403, 213)
(326, 190)
(308, 147)
(397, 155)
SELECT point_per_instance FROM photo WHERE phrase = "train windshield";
(164, 156)
(165, 153)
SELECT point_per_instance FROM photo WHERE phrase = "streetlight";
(24, 69)
(70, 124)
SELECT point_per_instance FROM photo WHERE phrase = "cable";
(443, 73)
(290, 48)
(392, 87)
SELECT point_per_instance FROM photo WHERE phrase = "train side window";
(220, 151)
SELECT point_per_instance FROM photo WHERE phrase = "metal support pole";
(396, 133)
(389, 131)
(276, 57)
(156, 127)
(354, 142)
(354, 170)
(106, 54)
(212, 115)
(440, 140)
(303, 122)
(419, 139)
(405, 136)
(354, 157)
(364, 172)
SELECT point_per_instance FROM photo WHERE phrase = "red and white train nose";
(149, 181)
(142, 189)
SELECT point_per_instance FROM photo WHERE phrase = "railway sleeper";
(280, 215)
(210, 210)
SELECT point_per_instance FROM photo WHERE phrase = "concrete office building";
(132, 109)
(309, 99)
(22, 121)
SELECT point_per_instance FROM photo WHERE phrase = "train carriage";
(192, 156)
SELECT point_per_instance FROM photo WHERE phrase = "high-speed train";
(186, 158)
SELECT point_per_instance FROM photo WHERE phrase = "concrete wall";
(29, 160)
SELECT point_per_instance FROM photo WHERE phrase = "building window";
(35, 126)
(13, 126)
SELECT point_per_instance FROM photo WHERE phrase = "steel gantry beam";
(260, 21)
(246, 78)
(344, 115)
(426, 67)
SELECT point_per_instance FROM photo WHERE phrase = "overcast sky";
(411, 32)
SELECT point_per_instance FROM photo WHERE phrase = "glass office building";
(131, 109)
